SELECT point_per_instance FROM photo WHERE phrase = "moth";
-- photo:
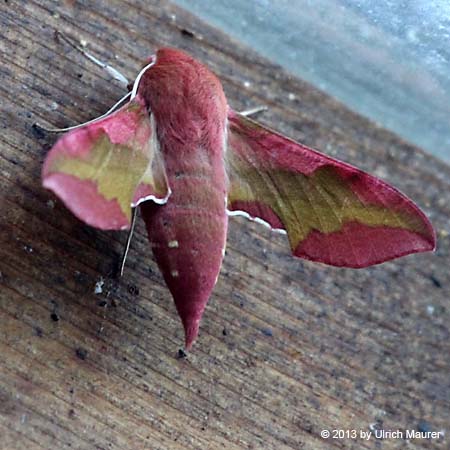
(178, 151)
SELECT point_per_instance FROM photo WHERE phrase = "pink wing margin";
(332, 212)
(102, 169)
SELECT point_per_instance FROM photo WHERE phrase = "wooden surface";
(286, 348)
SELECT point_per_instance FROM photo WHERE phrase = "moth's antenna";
(127, 245)
(111, 70)
(140, 74)
(107, 113)
(253, 111)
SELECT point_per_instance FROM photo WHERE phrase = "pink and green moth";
(189, 161)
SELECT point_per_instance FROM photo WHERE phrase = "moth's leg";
(253, 111)
(111, 70)
(127, 245)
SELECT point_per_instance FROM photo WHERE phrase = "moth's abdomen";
(188, 233)
(188, 237)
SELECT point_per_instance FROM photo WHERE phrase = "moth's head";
(171, 62)
(174, 80)
(167, 61)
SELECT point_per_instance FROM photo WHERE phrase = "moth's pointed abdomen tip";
(188, 345)
(190, 337)
(190, 333)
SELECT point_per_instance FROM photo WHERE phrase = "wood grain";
(286, 348)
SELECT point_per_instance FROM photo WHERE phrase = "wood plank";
(286, 348)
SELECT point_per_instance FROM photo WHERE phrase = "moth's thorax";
(186, 98)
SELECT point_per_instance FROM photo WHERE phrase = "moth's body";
(165, 150)
(188, 234)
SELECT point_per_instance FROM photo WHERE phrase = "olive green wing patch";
(103, 169)
(332, 212)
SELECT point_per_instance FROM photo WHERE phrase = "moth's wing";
(332, 212)
(102, 169)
